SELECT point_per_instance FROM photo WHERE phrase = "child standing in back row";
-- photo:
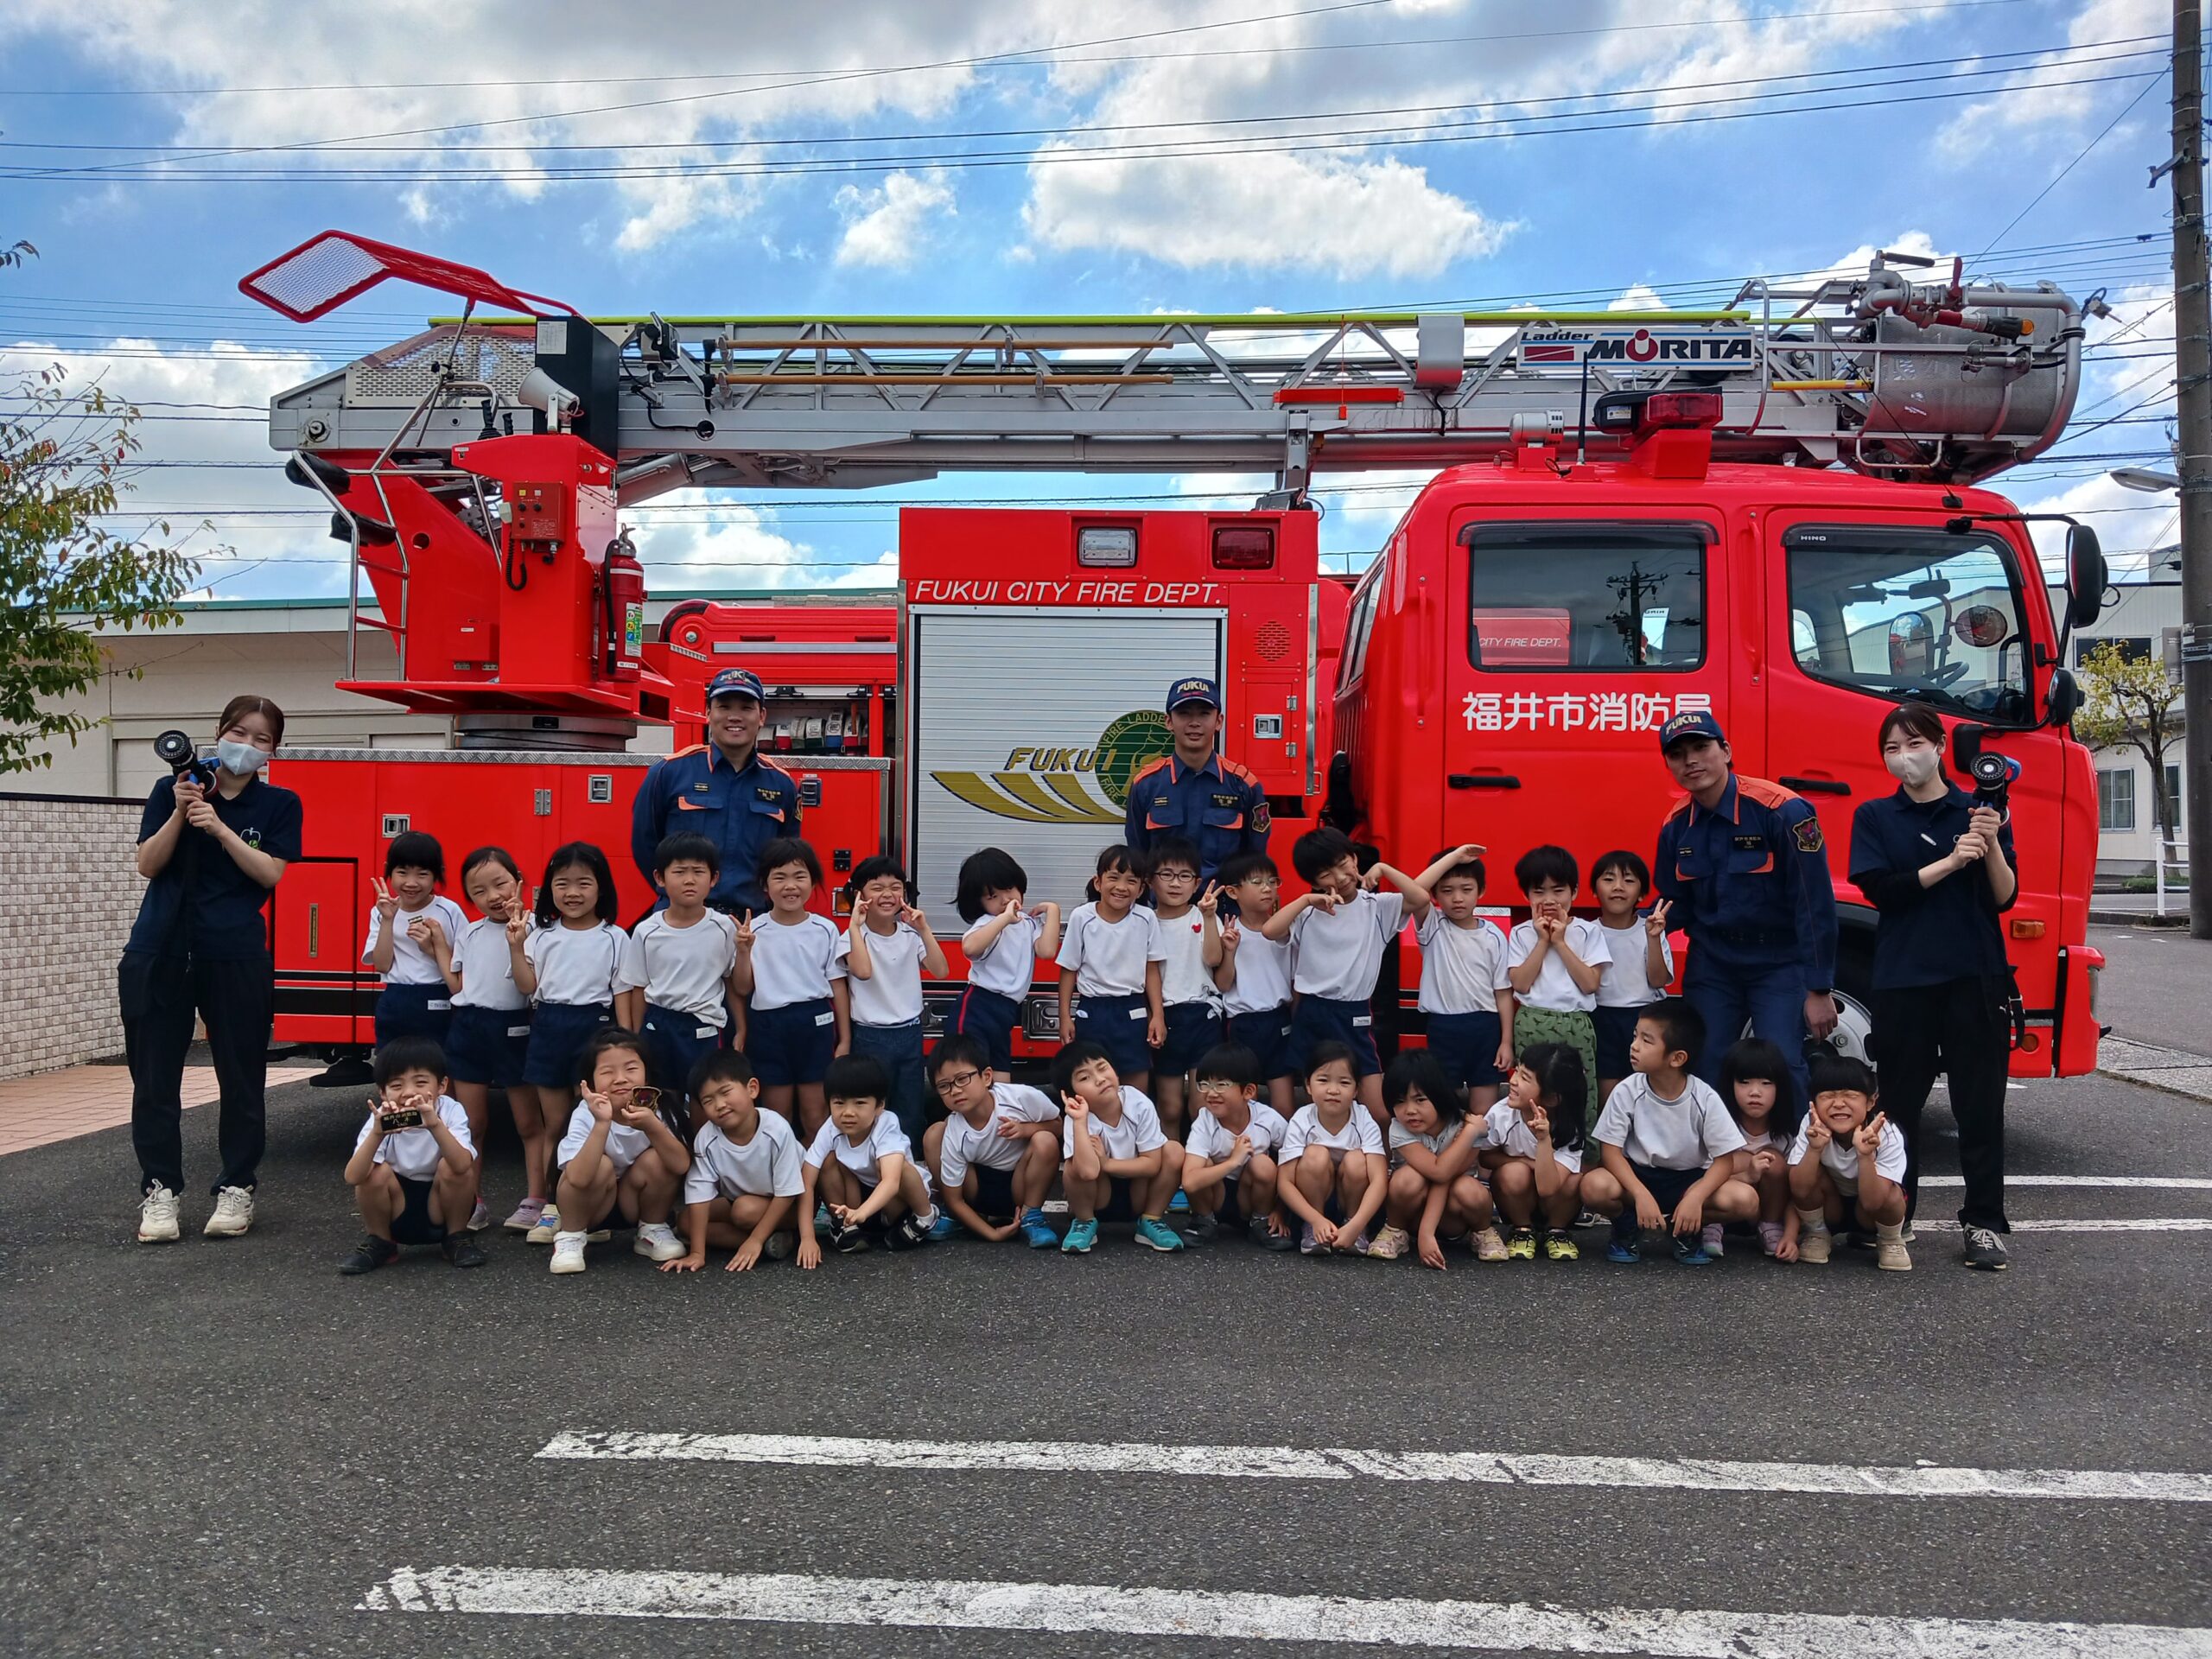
(788, 965)
(408, 924)
(683, 956)
(1639, 962)
(1110, 960)
(1254, 976)
(1553, 961)
(1189, 932)
(487, 1045)
(1464, 989)
(886, 949)
(1003, 945)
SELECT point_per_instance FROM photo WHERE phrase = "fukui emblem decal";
(1042, 784)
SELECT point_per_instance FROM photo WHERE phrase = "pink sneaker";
(1770, 1236)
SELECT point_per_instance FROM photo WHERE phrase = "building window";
(2173, 799)
(1565, 597)
(2116, 798)
(2131, 650)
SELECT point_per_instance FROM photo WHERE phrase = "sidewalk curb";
(2135, 918)
(2170, 1070)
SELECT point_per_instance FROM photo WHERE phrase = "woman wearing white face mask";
(1940, 870)
(212, 850)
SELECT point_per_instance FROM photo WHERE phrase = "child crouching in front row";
(745, 1180)
(1434, 1194)
(623, 1161)
(1533, 1153)
(1115, 1164)
(860, 1165)
(413, 1169)
(1673, 1155)
(1229, 1157)
(1847, 1163)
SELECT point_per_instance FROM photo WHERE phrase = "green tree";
(64, 464)
(2132, 702)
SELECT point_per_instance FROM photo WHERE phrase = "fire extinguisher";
(622, 592)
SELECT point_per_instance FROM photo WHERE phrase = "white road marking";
(2106, 1224)
(1337, 1463)
(2146, 1183)
(1214, 1615)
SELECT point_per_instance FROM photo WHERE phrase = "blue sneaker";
(1624, 1247)
(1181, 1204)
(1082, 1235)
(1155, 1235)
(1689, 1251)
(1037, 1231)
(944, 1227)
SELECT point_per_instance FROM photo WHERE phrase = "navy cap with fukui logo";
(1691, 722)
(736, 683)
(1193, 690)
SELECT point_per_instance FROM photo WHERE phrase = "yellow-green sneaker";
(1558, 1247)
(1520, 1245)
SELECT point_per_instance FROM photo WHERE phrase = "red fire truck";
(1767, 510)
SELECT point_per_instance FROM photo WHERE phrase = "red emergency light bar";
(1340, 394)
(1658, 412)
(325, 272)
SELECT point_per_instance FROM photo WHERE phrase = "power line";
(2080, 156)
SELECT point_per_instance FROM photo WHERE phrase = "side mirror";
(2086, 576)
(2066, 697)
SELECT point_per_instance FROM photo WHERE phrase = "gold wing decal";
(1017, 795)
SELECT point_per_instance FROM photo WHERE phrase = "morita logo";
(1704, 348)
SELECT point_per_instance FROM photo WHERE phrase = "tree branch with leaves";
(2132, 702)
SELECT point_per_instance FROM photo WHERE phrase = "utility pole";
(2193, 395)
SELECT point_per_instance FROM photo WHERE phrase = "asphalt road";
(2158, 986)
(226, 1448)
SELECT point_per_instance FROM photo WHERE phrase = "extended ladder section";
(1930, 382)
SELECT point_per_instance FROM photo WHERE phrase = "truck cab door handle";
(1814, 785)
(1482, 780)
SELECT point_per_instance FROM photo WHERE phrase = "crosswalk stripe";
(1292, 1463)
(2092, 1224)
(972, 1604)
(2148, 1183)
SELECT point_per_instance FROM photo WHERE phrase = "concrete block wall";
(71, 894)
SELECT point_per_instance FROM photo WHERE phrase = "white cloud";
(1639, 297)
(889, 226)
(709, 544)
(2056, 108)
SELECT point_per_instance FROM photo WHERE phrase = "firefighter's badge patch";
(1807, 832)
(1260, 818)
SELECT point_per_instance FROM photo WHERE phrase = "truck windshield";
(1911, 615)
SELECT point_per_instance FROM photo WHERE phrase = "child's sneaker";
(1558, 1247)
(546, 1228)
(157, 1215)
(656, 1242)
(369, 1255)
(1266, 1237)
(823, 1221)
(780, 1246)
(1037, 1230)
(568, 1252)
(1361, 1246)
(480, 1217)
(1082, 1235)
(1624, 1248)
(234, 1213)
(1689, 1252)
(1391, 1244)
(526, 1215)
(1490, 1246)
(944, 1227)
(1713, 1239)
(461, 1251)
(1814, 1243)
(1156, 1235)
(1308, 1243)
(1202, 1229)
(1890, 1253)
(847, 1241)
(1521, 1246)
(1770, 1236)
(1181, 1204)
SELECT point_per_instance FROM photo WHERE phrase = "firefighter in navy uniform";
(1745, 871)
(723, 790)
(1195, 792)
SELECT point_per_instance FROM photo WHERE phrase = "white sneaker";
(568, 1253)
(658, 1240)
(234, 1213)
(157, 1217)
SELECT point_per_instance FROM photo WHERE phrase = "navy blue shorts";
(1666, 1187)
(405, 1011)
(1267, 1033)
(1324, 1020)
(413, 1225)
(1116, 1024)
(1120, 1200)
(791, 1045)
(488, 1046)
(1192, 1028)
(994, 1192)
(1614, 1026)
(1230, 1212)
(673, 1045)
(898, 1049)
(1465, 1045)
(990, 1019)
(558, 1032)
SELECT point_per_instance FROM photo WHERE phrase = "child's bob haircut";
(685, 847)
(1236, 871)
(483, 855)
(719, 1066)
(1176, 852)
(1119, 859)
(404, 1054)
(1416, 1068)
(1328, 1053)
(578, 856)
(1830, 1073)
(1679, 1025)
(1547, 866)
(413, 849)
(987, 870)
(1557, 1069)
(1757, 1060)
(605, 1040)
(1628, 864)
(874, 867)
(1320, 849)
(1072, 1059)
(956, 1049)
(857, 1077)
(1229, 1063)
(787, 850)
(1467, 869)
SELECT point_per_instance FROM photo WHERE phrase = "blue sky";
(1390, 153)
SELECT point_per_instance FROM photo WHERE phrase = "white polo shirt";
(1109, 958)
(1209, 1140)
(1137, 1132)
(684, 969)
(1626, 985)
(1556, 990)
(1008, 963)
(1260, 983)
(1841, 1159)
(582, 966)
(1398, 1137)
(413, 1154)
(1506, 1129)
(411, 963)
(1184, 975)
(766, 1167)
(1361, 1132)
(892, 994)
(964, 1145)
(864, 1159)
(486, 968)
(1688, 1132)
(1462, 968)
(794, 962)
(1339, 954)
(624, 1144)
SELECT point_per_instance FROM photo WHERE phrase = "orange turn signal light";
(2024, 929)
